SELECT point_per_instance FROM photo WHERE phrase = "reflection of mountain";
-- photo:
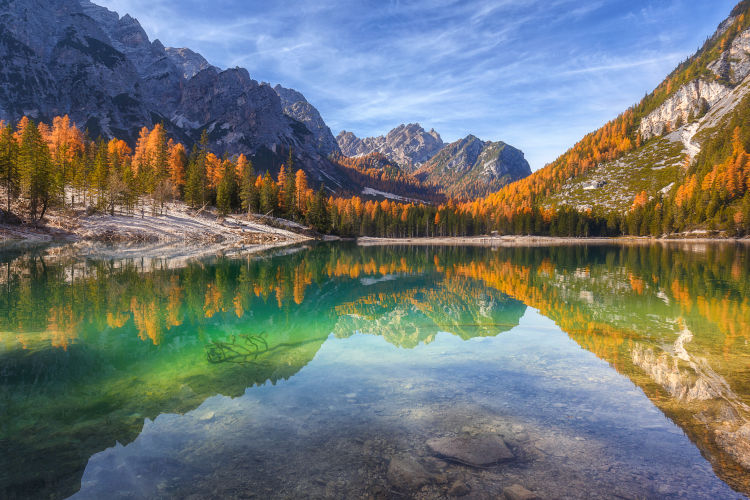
(676, 323)
(408, 314)
(89, 349)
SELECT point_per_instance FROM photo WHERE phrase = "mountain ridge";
(462, 169)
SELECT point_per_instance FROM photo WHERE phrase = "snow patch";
(374, 192)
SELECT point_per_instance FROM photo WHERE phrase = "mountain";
(463, 169)
(408, 145)
(76, 58)
(471, 167)
(676, 161)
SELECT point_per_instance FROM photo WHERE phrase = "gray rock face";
(296, 106)
(734, 63)
(693, 98)
(74, 57)
(700, 95)
(476, 451)
(191, 62)
(408, 145)
(471, 167)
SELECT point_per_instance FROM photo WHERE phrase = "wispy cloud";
(535, 73)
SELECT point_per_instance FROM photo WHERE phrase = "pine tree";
(35, 166)
(248, 191)
(318, 216)
(268, 195)
(101, 172)
(9, 164)
(195, 186)
(226, 191)
(289, 196)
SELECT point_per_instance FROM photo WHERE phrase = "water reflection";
(90, 349)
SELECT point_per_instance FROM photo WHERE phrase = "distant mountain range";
(462, 169)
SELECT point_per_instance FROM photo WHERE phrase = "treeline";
(42, 166)
(58, 165)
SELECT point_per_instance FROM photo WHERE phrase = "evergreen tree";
(195, 186)
(289, 196)
(248, 191)
(9, 164)
(101, 172)
(268, 195)
(226, 191)
(35, 166)
(318, 216)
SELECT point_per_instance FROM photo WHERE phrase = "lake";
(344, 371)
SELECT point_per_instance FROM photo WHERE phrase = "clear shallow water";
(608, 371)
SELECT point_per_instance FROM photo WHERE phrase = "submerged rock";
(458, 489)
(406, 473)
(476, 451)
(518, 492)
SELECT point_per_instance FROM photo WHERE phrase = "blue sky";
(537, 74)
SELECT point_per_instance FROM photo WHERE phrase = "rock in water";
(518, 492)
(477, 451)
(405, 473)
(459, 489)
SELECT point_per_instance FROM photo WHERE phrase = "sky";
(537, 74)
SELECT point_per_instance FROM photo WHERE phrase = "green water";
(609, 371)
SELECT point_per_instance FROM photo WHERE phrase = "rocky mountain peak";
(191, 62)
(694, 99)
(408, 145)
(471, 167)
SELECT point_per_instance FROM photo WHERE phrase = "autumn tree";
(177, 164)
(300, 196)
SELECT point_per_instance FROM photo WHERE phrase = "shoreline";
(507, 241)
(179, 234)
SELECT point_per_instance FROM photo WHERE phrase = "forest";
(57, 165)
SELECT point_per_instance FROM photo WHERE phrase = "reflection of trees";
(53, 303)
(644, 310)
